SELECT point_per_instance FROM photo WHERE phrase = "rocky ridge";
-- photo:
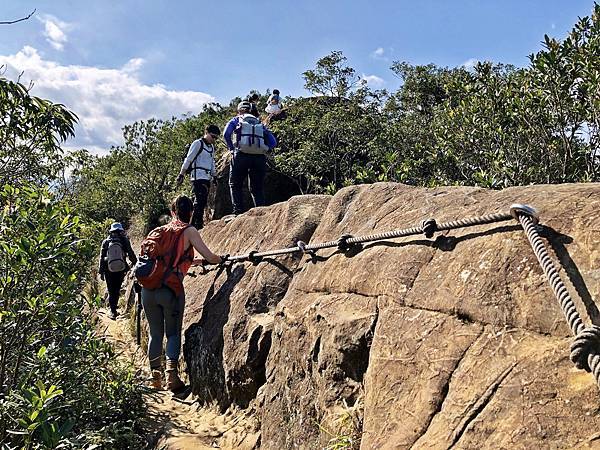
(455, 341)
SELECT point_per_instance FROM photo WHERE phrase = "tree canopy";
(492, 125)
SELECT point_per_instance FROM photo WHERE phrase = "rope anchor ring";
(342, 243)
(530, 211)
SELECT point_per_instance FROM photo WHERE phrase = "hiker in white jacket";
(200, 163)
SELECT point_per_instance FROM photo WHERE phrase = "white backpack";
(250, 134)
(115, 256)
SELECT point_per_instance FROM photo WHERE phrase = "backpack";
(115, 255)
(194, 164)
(160, 253)
(250, 134)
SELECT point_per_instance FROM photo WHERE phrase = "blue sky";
(114, 62)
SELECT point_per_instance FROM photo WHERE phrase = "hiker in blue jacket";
(200, 163)
(253, 141)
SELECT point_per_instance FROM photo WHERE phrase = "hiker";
(253, 99)
(200, 163)
(274, 108)
(164, 303)
(113, 266)
(253, 141)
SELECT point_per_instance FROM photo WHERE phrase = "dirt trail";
(180, 423)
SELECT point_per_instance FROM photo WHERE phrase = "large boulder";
(451, 341)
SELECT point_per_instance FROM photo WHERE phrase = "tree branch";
(10, 22)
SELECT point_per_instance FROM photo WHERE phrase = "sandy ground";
(180, 422)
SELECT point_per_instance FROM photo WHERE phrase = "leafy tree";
(331, 76)
(138, 178)
(567, 76)
(325, 143)
(30, 136)
(60, 385)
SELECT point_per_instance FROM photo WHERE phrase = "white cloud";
(133, 65)
(104, 99)
(373, 80)
(469, 63)
(54, 31)
(381, 54)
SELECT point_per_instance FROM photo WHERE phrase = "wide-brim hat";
(116, 227)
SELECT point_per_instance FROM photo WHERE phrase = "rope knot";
(253, 258)
(429, 227)
(342, 243)
(585, 343)
(302, 246)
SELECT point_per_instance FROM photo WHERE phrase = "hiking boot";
(174, 383)
(157, 379)
(113, 315)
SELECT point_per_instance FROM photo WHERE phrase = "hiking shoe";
(157, 379)
(174, 383)
(113, 315)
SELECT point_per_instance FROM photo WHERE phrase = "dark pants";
(201, 188)
(114, 281)
(245, 166)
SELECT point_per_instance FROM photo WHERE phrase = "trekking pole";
(138, 313)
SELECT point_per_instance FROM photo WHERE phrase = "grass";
(343, 427)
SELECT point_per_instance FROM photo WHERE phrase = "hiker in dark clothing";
(112, 266)
(253, 141)
(253, 99)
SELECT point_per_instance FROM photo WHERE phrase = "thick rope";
(585, 349)
(343, 243)
(346, 241)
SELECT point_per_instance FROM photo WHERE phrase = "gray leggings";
(164, 312)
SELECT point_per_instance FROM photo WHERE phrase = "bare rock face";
(455, 341)
(229, 312)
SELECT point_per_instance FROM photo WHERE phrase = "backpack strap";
(194, 165)
(238, 131)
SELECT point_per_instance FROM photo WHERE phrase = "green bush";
(60, 384)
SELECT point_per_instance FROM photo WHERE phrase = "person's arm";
(228, 132)
(102, 262)
(196, 241)
(191, 155)
(270, 141)
(130, 252)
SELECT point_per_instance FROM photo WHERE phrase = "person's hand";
(179, 179)
(223, 258)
